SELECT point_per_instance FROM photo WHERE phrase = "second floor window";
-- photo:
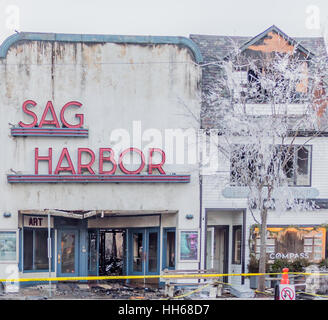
(294, 161)
(284, 91)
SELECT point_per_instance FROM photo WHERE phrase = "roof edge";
(102, 38)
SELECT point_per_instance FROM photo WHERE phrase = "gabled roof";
(216, 47)
(275, 29)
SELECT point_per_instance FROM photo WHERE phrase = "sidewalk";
(108, 291)
(119, 291)
(83, 291)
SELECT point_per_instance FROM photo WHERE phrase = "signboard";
(286, 292)
(293, 243)
(37, 222)
(82, 172)
(236, 192)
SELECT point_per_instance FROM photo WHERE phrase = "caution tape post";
(285, 290)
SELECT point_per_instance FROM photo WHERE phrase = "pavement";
(117, 291)
(107, 291)
(73, 291)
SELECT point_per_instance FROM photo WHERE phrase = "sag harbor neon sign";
(83, 172)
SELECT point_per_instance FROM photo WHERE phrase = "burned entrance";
(111, 252)
(106, 254)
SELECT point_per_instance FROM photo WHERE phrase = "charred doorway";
(112, 252)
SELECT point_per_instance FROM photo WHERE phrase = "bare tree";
(267, 106)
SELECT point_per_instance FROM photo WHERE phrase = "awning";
(85, 214)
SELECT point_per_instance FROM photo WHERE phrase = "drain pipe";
(201, 232)
(49, 253)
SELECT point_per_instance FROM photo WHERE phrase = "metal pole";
(144, 256)
(49, 253)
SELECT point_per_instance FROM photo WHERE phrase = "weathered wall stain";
(52, 75)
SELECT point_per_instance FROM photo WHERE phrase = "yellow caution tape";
(164, 276)
(168, 277)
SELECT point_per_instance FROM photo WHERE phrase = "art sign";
(37, 221)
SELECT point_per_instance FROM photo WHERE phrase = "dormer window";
(266, 70)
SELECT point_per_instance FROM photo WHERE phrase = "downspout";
(49, 252)
(243, 246)
(200, 219)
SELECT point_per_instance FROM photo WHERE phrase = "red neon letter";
(158, 166)
(70, 164)
(54, 120)
(29, 112)
(80, 116)
(120, 163)
(88, 165)
(48, 158)
(110, 158)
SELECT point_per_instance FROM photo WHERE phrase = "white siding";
(213, 185)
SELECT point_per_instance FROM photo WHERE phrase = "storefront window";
(28, 249)
(41, 250)
(152, 262)
(294, 243)
(93, 256)
(68, 258)
(36, 249)
(170, 250)
(137, 251)
(236, 244)
(8, 246)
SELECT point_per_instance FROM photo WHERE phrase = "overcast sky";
(165, 17)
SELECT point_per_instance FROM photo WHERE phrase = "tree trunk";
(263, 237)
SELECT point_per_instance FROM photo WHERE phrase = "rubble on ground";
(86, 291)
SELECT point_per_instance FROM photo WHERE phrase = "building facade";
(95, 168)
(229, 230)
(89, 166)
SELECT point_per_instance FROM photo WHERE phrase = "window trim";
(310, 147)
(235, 228)
(165, 231)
